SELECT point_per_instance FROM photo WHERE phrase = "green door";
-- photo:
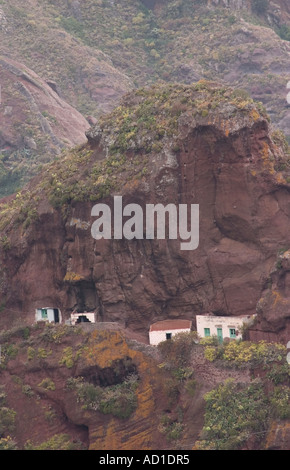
(220, 335)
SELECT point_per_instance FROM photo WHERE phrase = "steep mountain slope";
(38, 36)
(36, 124)
(95, 51)
(100, 386)
(192, 144)
(181, 39)
(35, 117)
(176, 40)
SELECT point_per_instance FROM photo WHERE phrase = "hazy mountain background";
(64, 63)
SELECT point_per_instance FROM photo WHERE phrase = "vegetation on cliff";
(146, 123)
(130, 395)
(69, 388)
(237, 414)
(93, 52)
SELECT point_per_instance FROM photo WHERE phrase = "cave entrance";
(118, 371)
(83, 317)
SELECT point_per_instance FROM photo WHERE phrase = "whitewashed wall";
(213, 322)
(155, 337)
(50, 315)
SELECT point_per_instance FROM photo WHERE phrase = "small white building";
(48, 314)
(83, 317)
(222, 327)
(166, 329)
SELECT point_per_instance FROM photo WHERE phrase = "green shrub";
(234, 412)
(119, 400)
(27, 390)
(47, 383)
(172, 390)
(42, 353)
(246, 352)
(7, 443)
(172, 428)
(90, 395)
(3, 395)
(57, 333)
(56, 442)
(280, 401)
(177, 352)
(31, 353)
(25, 332)
(279, 374)
(284, 32)
(7, 420)
(10, 351)
(211, 353)
(68, 357)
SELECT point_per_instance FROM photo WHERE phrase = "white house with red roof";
(166, 329)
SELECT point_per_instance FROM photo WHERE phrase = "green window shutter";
(206, 332)
(232, 333)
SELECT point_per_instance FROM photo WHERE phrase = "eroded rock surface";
(207, 146)
(36, 123)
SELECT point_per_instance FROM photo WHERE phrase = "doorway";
(220, 335)
(83, 319)
(56, 315)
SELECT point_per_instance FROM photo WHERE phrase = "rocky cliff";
(94, 387)
(36, 124)
(92, 53)
(53, 399)
(182, 144)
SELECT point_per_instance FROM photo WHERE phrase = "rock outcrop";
(92, 54)
(91, 387)
(47, 402)
(36, 124)
(199, 144)
(62, 124)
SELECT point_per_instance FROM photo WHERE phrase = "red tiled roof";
(171, 325)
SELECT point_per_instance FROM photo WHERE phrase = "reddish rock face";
(34, 105)
(36, 124)
(227, 163)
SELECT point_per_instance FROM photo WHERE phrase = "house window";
(232, 332)
(168, 335)
(207, 332)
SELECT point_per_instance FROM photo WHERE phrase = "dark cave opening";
(108, 376)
